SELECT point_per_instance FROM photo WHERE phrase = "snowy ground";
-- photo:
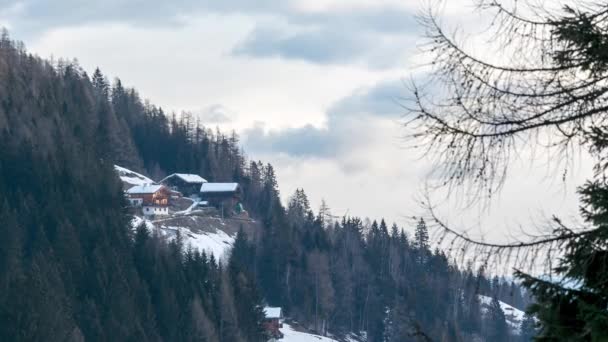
(513, 316)
(292, 335)
(132, 177)
(295, 336)
(215, 242)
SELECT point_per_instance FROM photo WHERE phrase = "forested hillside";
(71, 268)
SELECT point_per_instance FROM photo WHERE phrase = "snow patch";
(513, 316)
(217, 243)
(131, 177)
(291, 335)
(137, 221)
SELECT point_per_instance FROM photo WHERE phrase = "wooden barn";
(187, 184)
(153, 198)
(224, 196)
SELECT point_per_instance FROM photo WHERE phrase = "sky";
(315, 87)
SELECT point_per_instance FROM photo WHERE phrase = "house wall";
(154, 211)
(225, 200)
(135, 202)
(161, 197)
(272, 327)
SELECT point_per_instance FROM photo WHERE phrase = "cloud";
(383, 99)
(216, 114)
(303, 141)
(351, 124)
(34, 16)
(316, 45)
(379, 38)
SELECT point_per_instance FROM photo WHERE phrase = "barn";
(187, 184)
(224, 196)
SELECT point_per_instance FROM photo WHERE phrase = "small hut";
(272, 322)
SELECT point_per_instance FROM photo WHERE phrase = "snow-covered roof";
(219, 187)
(272, 312)
(187, 177)
(131, 177)
(144, 189)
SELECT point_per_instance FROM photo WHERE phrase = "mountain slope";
(71, 267)
(131, 177)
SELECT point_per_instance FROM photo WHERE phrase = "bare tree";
(544, 88)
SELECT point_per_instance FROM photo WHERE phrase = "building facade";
(152, 198)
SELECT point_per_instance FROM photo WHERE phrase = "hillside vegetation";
(72, 268)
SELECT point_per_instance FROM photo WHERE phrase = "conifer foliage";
(71, 268)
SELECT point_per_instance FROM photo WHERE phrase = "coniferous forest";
(73, 269)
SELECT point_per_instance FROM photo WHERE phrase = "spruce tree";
(421, 236)
(528, 328)
(496, 324)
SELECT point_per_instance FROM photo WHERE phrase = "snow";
(217, 243)
(137, 221)
(272, 312)
(513, 316)
(144, 189)
(219, 187)
(295, 336)
(195, 203)
(131, 177)
(187, 177)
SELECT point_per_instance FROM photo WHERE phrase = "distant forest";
(73, 269)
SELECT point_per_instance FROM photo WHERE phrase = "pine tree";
(324, 215)
(421, 236)
(497, 329)
(528, 328)
(250, 314)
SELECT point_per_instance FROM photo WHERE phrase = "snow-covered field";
(132, 177)
(513, 316)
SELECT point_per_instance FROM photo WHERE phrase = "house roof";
(219, 187)
(145, 189)
(272, 312)
(187, 177)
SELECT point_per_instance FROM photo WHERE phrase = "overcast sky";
(312, 86)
